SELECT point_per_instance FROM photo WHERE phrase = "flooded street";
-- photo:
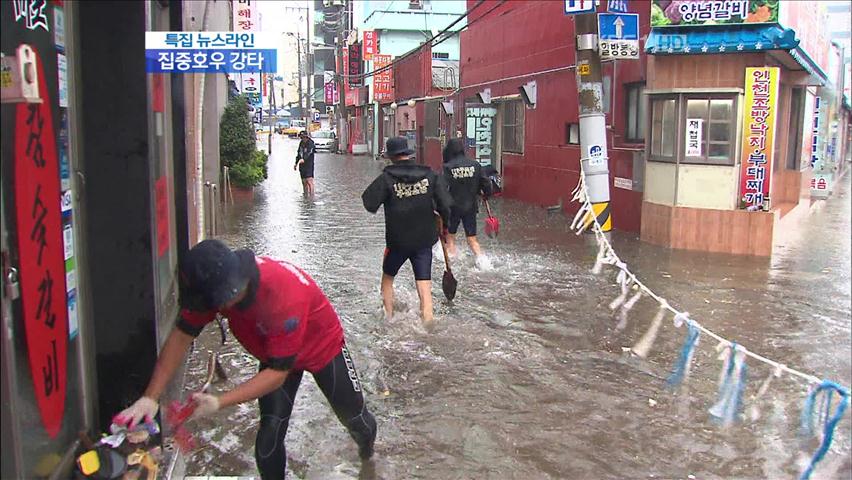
(525, 376)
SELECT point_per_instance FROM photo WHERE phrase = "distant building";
(395, 28)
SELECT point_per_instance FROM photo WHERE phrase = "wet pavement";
(525, 376)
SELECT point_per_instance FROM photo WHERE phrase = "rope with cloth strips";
(580, 195)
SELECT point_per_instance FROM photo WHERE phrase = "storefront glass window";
(706, 132)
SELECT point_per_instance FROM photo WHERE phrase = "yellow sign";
(759, 112)
(584, 69)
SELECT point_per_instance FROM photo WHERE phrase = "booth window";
(513, 126)
(663, 129)
(709, 120)
(635, 108)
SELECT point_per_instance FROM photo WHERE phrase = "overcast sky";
(282, 16)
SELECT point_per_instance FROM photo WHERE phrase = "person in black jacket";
(411, 194)
(467, 181)
(305, 162)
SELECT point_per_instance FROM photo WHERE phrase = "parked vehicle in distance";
(325, 140)
(281, 125)
(295, 127)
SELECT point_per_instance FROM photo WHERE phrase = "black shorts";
(306, 170)
(469, 222)
(421, 262)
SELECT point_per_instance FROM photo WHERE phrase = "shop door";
(43, 383)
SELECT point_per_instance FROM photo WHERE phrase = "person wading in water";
(411, 195)
(305, 162)
(467, 181)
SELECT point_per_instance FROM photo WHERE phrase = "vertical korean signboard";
(246, 20)
(480, 132)
(370, 42)
(353, 66)
(759, 112)
(382, 80)
(329, 87)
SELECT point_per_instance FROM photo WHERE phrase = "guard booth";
(92, 154)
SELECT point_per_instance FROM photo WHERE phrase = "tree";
(238, 147)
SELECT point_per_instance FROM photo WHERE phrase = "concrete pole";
(309, 64)
(271, 111)
(340, 108)
(299, 61)
(593, 149)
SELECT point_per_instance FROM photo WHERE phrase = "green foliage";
(238, 147)
(252, 173)
(236, 134)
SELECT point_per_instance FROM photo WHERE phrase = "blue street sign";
(580, 6)
(619, 6)
(618, 26)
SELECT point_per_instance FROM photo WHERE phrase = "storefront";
(92, 224)
(729, 109)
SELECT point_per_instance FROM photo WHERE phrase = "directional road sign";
(617, 6)
(618, 36)
(580, 6)
(618, 26)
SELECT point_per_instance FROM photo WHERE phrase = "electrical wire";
(446, 32)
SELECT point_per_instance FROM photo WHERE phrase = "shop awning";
(716, 39)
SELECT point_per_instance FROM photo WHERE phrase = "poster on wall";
(481, 132)
(707, 12)
(694, 142)
(42, 252)
(759, 112)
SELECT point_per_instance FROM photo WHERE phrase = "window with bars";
(693, 128)
(513, 126)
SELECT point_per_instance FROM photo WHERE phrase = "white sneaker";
(483, 263)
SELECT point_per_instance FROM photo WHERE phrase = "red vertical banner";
(370, 41)
(157, 102)
(41, 254)
(161, 211)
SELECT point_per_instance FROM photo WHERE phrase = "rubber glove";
(144, 409)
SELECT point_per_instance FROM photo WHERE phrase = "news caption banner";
(211, 52)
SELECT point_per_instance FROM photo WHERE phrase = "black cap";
(210, 273)
(397, 146)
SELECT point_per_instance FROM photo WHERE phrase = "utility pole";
(594, 158)
(309, 65)
(338, 78)
(299, 61)
(272, 110)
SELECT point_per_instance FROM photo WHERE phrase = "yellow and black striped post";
(602, 212)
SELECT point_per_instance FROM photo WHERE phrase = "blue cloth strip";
(686, 351)
(827, 388)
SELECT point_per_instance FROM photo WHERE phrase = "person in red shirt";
(279, 315)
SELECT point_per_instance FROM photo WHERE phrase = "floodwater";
(526, 375)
